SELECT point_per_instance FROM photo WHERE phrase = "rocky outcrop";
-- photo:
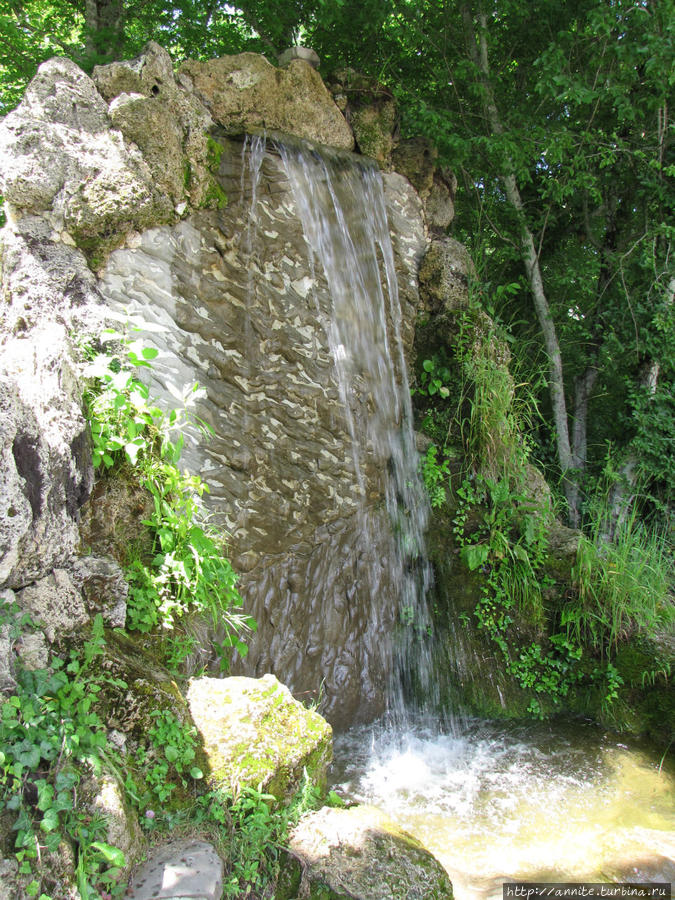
(59, 155)
(256, 735)
(362, 854)
(417, 158)
(370, 109)
(245, 92)
(236, 303)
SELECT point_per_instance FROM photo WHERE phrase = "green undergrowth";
(53, 740)
(54, 754)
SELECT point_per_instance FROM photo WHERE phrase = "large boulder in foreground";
(257, 735)
(360, 854)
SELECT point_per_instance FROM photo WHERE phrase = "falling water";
(342, 209)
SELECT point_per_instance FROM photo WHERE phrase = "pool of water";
(537, 802)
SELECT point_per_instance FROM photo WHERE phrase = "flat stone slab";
(181, 870)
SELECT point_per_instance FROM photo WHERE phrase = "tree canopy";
(557, 119)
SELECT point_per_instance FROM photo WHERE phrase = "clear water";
(535, 802)
(340, 202)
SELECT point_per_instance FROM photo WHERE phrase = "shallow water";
(538, 802)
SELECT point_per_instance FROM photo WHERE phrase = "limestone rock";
(103, 795)
(362, 854)
(439, 206)
(104, 587)
(45, 462)
(444, 276)
(178, 871)
(11, 883)
(166, 122)
(416, 159)
(246, 93)
(256, 735)
(32, 650)
(7, 682)
(370, 109)
(60, 153)
(55, 603)
(149, 687)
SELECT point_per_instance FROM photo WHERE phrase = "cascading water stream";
(342, 209)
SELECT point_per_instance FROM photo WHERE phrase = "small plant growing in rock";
(188, 571)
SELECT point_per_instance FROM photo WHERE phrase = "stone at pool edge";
(255, 734)
(181, 870)
(362, 854)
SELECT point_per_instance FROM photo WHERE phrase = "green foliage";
(168, 758)
(434, 475)
(188, 572)
(434, 378)
(624, 588)
(503, 534)
(51, 737)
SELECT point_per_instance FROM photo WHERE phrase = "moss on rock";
(256, 735)
(361, 854)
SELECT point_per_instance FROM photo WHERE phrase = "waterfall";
(340, 201)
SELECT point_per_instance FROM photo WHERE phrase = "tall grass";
(625, 587)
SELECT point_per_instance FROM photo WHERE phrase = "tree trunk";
(104, 30)
(479, 55)
(583, 386)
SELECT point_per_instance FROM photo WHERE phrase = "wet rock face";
(236, 305)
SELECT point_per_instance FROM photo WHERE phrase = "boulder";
(416, 159)
(59, 153)
(178, 871)
(444, 276)
(103, 795)
(370, 109)
(256, 735)
(104, 588)
(166, 122)
(361, 854)
(54, 603)
(246, 93)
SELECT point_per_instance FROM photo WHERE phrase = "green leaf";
(196, 773)
(50, 820)
(475, 555)
(149, 353)
(171, 753)
(112, 855)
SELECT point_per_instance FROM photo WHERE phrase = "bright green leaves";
(168, 758)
